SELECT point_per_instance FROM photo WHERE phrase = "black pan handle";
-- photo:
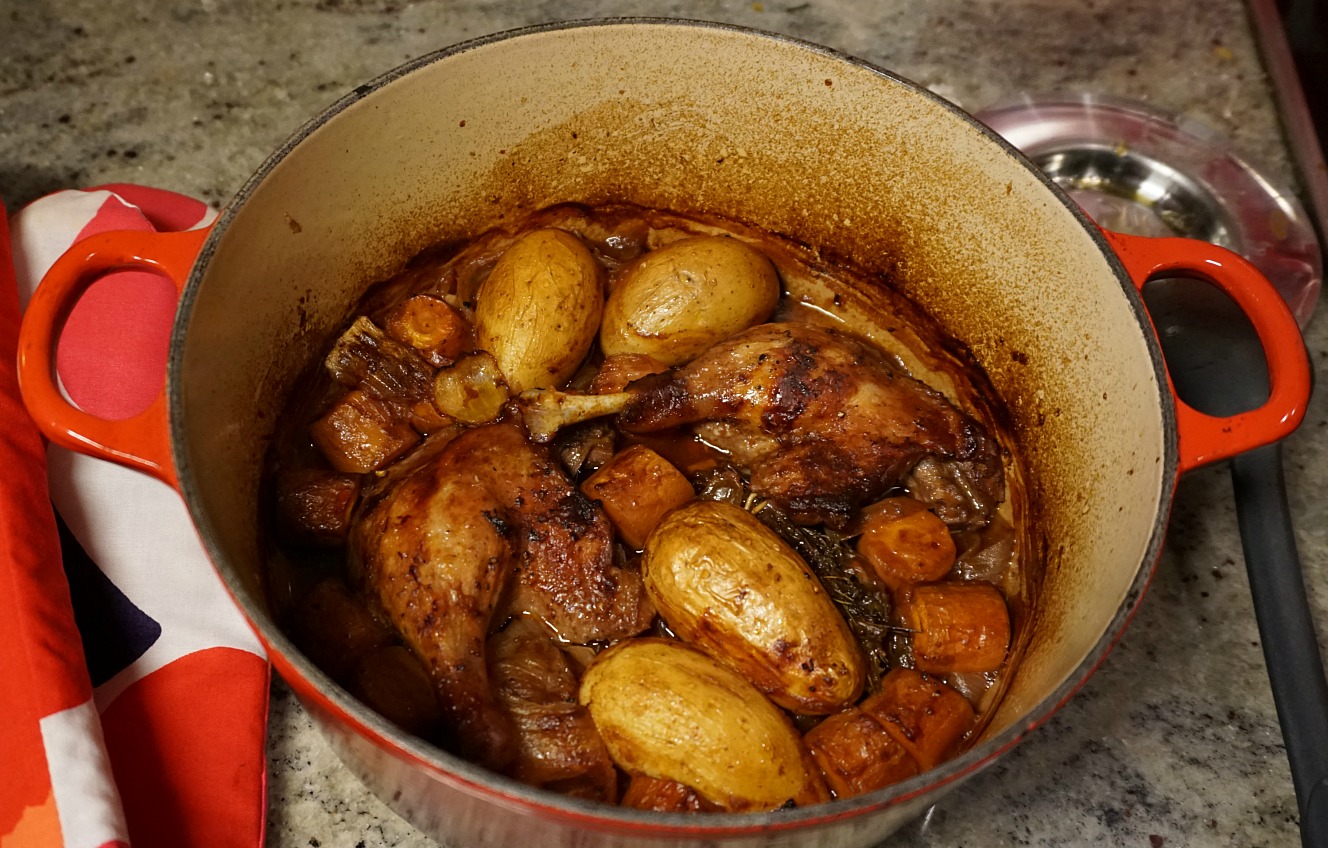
(1295, 666)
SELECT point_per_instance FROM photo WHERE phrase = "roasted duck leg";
(558, 746)
(438, 551)
(825, 424)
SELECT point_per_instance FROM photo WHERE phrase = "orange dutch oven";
(697, 118)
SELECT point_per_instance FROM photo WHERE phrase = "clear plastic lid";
(1138, 171)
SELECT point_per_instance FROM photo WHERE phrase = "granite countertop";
(1174, 742)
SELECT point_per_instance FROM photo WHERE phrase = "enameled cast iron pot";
(693, 117)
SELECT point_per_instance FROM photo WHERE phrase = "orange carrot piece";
(926, 717)
(361, 433)
(435, 330)
(335, 629)
(857, 755)
(957, 626)
(637, 487)
(905, 543)
(427, 418)
(394, 683)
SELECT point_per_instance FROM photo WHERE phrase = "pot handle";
(142, 441)
(1205, 438)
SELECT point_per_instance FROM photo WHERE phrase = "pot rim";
(511, 793)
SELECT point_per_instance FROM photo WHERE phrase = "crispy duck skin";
(436, 553)
(824, 424)
(557, 744)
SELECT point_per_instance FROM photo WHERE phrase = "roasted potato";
(540, 308)
(726, 583)
(667, 711)
(677, 301)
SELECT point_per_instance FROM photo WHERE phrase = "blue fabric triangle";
(114, 631)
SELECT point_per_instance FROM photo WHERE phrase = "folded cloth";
(134, 705)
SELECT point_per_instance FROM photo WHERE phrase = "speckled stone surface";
(1174, 742)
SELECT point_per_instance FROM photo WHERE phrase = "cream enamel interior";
(709, 119)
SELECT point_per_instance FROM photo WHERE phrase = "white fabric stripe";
(138, 532)
(86, 799)
(209, 215)
(45, 229)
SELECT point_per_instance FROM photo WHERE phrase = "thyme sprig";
(866, 609)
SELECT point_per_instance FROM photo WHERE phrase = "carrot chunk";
(926, 717)
(857, 755)
(957, 626)
(435, 330)
(361, 433)
(427, 418)
(637, 487)
(905, 543)
(395, 684)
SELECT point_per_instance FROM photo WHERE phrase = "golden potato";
(668, 711)
(679, 300)
(539, 309)
(726, 583)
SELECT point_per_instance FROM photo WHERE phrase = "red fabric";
(167, 211)
(116, 375)
(46, 673)
(159, 756)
